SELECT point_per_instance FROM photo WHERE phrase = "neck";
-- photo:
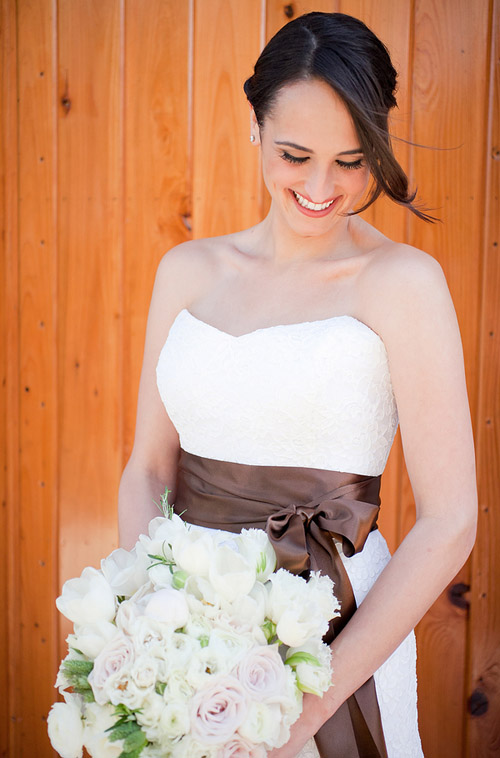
(282, 245)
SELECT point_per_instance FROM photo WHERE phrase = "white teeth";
(312, 206)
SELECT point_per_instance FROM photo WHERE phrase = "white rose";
(65, 726)
(144, 672)
(192, 550)
(126, 570)
(174, 720)
(262, 723)
(91, 638)
(151, 637)
(117, 654)
(178, 688)
(87, 599)
(230, 573)
(149, 716)
(168, 606)
(189, 746)
(98, 719)
(255, 545)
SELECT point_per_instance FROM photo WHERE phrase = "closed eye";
(292, 158)
(351, 164)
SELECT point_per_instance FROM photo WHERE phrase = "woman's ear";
(254, 127)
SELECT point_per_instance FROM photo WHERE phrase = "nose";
(320, 184)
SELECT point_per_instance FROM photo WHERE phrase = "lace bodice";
(316, 393)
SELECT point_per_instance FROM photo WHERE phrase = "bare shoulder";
(190, 269)
(405, 288)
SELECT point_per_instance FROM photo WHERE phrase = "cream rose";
(262, 673)
(218, 710)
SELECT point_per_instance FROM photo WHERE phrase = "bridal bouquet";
(189, 645)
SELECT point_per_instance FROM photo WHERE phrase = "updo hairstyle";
(343, 52)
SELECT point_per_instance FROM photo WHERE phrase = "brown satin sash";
(301, 509)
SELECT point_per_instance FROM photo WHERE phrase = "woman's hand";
(311, 719)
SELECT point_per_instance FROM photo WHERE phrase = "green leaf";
(75, 667)
(120, 731)
(135, 740)
(160, 687)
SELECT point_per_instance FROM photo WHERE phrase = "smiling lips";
(310, 208)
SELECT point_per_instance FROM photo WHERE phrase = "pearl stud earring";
(252, 138)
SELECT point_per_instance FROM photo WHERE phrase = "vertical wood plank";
(90, 235)
(36, 648)
(449, 96)
(9, 482)
(158, 212)
(225, 164)
(483, 686)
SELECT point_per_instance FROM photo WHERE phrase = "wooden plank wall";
(124, 130)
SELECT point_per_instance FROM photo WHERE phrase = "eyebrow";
(356, 151)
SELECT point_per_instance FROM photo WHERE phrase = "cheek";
(277, 173)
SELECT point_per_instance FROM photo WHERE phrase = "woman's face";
(312, 162)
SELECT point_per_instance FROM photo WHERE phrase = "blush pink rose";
(262, 672)
(115, 655)
(218, 709)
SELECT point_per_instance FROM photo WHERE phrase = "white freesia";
(160, 575)
(91, 638)
(87, 599)
(262, 723)
(65, 727)
(168, 606)
(95, 737)
(230, 573)
(192, 550)
(255, 545)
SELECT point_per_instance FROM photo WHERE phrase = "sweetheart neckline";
(279, 326)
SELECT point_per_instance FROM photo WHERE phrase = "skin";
(291, 268)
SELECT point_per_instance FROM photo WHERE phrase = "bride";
(301, 343)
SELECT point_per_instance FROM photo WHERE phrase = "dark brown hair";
(343, 52)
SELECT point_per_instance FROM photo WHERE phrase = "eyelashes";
(349, 165)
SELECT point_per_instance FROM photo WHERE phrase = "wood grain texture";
(90, 133)
(483, 684)
(9, 391)
(36, 650)
(449, 95)
(225, 164)
(157, 179)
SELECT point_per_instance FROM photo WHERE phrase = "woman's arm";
(414, 315)
(153, 463)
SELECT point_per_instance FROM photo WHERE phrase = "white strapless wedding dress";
(315, 394)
